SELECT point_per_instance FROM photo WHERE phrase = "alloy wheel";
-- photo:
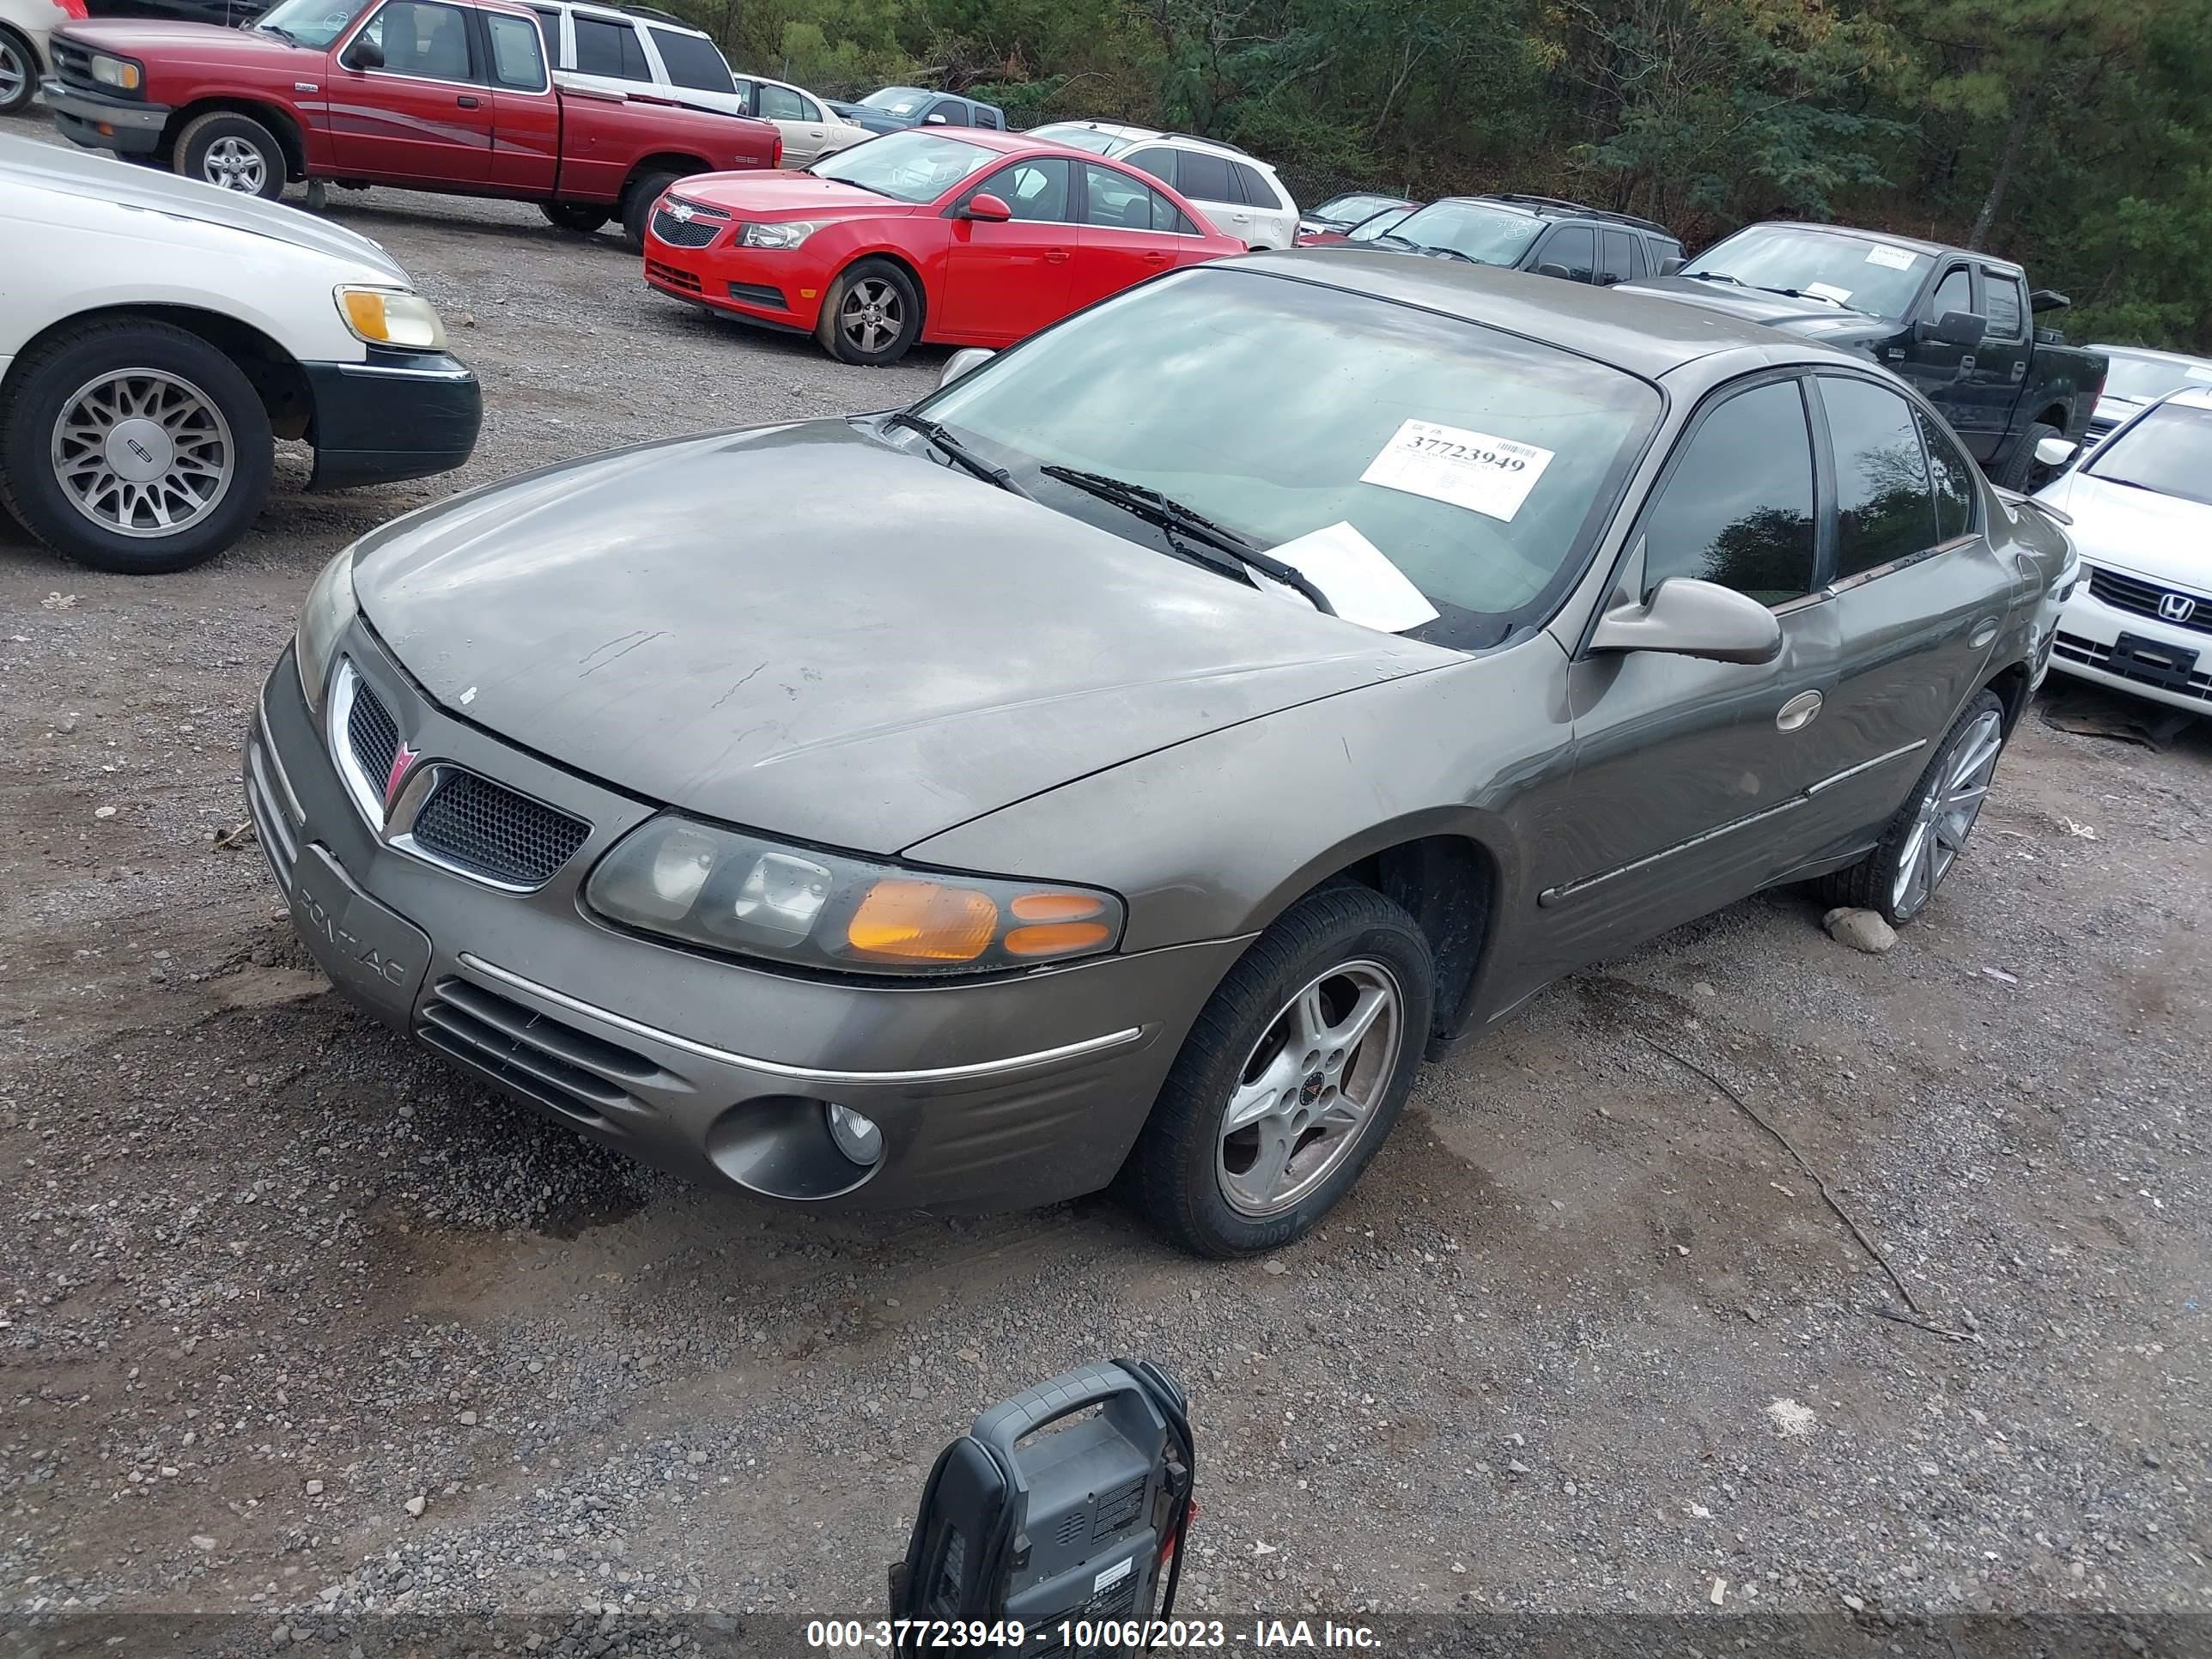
(234, 164)
(15, 73)
(1308, 1087)
(143, 452)
(1947, 814)
(871, 316)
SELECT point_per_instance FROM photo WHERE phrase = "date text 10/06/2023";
(1085, 1635)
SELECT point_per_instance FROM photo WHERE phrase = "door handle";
(1797, 714)
(1154, 257)
(2019, 369)
(1967, 363)
(1984, 631)
(1056, 256)
(467, 103)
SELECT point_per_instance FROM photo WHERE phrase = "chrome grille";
(487, 829)
(543, 1059)
(2134, 594)
(372, 734)
(702, 226)
(73, 65)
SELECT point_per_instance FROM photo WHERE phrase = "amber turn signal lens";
(1055, 906)
(1055, 938)
(922, 921)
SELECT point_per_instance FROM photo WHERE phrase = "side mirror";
(2056, 452)
(987, 208)
(364, 54)
(1549, 268)
(964, 361)
(1689, 618)
(934, 119)
(1672, 267)
(2047, 299)
(1958, 328)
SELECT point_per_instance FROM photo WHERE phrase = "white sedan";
(2141, 621)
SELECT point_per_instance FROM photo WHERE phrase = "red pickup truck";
(453, 95)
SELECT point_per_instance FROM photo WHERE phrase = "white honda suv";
(1238, 192)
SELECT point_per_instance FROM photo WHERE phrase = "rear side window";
(518, 57)
(692, 62)
(1574, 247)
(1953, 475)
(1251, 186)
(1160, 163)
(1737, 508)
(1203, 178)
(2002, 294)
(1617, 256)
(779, 104)
(611, 50)
(988, 118)
(1885, 505)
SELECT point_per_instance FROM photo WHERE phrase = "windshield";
(895, 100)
(1388, 220)
(1351, 210)
(1863, 272)
(2168, 450)
(907, 166)
(1481, 465)
(314, 23)
(1076, 135)
(2145, 378)
(1491, 235)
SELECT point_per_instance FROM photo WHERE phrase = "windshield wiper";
(283, 35)
(959, 453)
(1402, 241)
(1798, 293)
(1184, 525)
(1449, 253)
(1715, 277)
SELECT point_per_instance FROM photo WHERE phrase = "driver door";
(1004, 282)
(423, 116)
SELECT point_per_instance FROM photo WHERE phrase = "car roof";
(1553, 207)
(666, 20)
(1644, 335)
(1130, 135)
(1918, 244)
(2150, 352)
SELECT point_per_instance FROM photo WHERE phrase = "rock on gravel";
(1862, 930)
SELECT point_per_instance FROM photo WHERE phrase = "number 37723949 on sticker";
(1482, 473)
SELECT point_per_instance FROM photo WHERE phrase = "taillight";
(73, 8)
(776, 147)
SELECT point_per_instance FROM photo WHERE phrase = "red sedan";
(980, 239)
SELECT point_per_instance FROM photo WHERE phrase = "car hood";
(97, 177)
(2161, 536)
(1815, 319)
(191, 43)
(755, 194)
(802, 631)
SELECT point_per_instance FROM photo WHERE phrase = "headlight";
(783, 233)
(119, 72)
(331, 607)
(739, 893)
(392, 316)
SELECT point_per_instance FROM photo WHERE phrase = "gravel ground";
(297, 1324)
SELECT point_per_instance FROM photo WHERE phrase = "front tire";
(872, 315)
(1898, 879)
(1291, 1078)
(232, 152)
(18, 71)
(133, 446)
(578, 218)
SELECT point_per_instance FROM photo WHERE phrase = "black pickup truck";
(1959, 325)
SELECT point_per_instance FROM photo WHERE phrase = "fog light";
(856, 1136)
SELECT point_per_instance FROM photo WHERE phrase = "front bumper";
(399, 415)
(2109, 632)
(768, 292)
(126, 125)
(994, 1095)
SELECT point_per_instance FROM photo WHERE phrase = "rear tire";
(110, 430)
(233, 152)
(1898, 879)
(637, 204)
(1309, 1112)
(872, 315)
(578, 218)
(18, 71)
(2021, 471)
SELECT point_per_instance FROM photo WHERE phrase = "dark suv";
(1541, 234)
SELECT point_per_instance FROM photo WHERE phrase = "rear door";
(797, 116)
(1205, 182)
(526, 151)
(1617, 260)
(1274, 223)
(1004, 282)
(609, 52)
(1129, 231)
(424, 116)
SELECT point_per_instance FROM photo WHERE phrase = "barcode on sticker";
(1113, 1575)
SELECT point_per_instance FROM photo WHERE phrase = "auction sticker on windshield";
(1896, 258)
(1473, 469)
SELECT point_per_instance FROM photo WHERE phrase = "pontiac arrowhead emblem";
(402, 759)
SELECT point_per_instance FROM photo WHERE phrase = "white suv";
(1239, 193)
(617, 47)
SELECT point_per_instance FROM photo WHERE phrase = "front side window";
(518, 57)
(692, 61)
(1113, 199)
(316, 23)
(951, 111)
(1884, 507)
(1035, 190)
(421, 38)
(1203, 178)
(1573, 248)
(610, 50)
(1736, 508)
(1956, 492)
(1863, 272)
(912, 166)
(1473, 230)
(2167, 451)
(1954, 293)
(1282, 409)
